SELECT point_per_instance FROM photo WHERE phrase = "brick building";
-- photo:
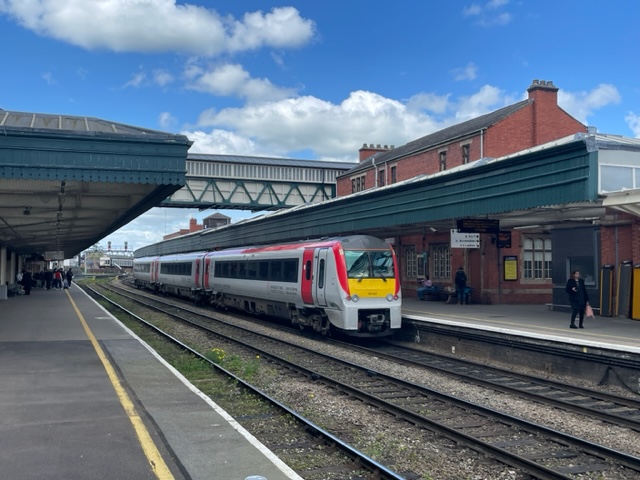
(193, 227)
(523, 125)
(514, 128)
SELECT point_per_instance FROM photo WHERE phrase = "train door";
(155, 267)
(307, 276)
(320, 278)
(197, 281)
(205, 277)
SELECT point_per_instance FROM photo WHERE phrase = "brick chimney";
(367, 150)
(193, 225)
(543, 91)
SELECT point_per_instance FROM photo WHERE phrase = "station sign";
(464, 240)
(54, 255)
(478, 225)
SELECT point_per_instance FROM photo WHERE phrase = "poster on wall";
(510, 263)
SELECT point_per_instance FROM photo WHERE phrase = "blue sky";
(312, 78)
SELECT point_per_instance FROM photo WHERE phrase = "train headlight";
(391, 298)
(353, 298)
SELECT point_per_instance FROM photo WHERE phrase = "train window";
(224, 269)
(358, 264)
(263, 270)
(321, 274)
(382, 262)
(233, 269)
(307, 270)
(275, 271)
(252, 270)
(290, 271)
(242, 269)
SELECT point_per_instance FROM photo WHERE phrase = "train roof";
(350, 242)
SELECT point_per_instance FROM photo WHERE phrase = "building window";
(381, 178)
(537, 258)
(393, 174)
(465, 154)
(357, 184)
(443, 161)
(441, 262)
(410, 262)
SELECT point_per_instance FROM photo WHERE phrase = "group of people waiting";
(56, 279)
(460, 280)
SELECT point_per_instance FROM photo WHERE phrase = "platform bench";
(437, 292)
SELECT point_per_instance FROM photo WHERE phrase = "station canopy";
(66, 182)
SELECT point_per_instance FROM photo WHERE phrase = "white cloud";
(222, 142)
(583, 104)
(136, 81)
(633, 121)
(468, 72)
(282, 27)
(162, 77)
(429, 102)
(48, 77)
(167, 121)
(487, 99)
(331, 131)
(234, 80)
(158, 26)
(487, 15)
(472, 10)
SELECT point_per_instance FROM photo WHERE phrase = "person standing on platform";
(578, 298)
(57, 279)
(48, 278)
(461, 284)
(27, 282)
(69, 275)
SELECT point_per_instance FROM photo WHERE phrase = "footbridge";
(234, 182)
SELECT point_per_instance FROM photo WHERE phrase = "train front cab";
(357, 302)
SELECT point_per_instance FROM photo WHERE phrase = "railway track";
(613, 409)
(535, 450)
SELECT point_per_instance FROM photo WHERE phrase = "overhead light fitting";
(27, 211)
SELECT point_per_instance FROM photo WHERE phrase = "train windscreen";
(369, 263)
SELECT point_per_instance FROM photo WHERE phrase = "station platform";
(81, 397)
(533, 321)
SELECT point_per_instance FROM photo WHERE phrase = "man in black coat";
(578, 298)
(461, 285)
(27, 282)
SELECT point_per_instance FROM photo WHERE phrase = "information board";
(504, 239)
(510, 263)
(478, 225)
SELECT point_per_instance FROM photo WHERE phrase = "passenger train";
(349, 284)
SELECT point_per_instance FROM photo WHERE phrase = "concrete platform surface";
(74, 408)
(616, 333)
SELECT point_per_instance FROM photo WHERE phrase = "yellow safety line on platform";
(158, 465)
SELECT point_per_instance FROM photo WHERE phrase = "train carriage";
(348, 283)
